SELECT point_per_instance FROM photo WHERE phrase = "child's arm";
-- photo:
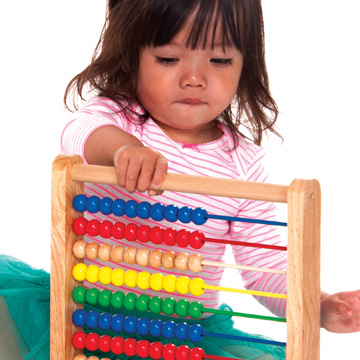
(138, 167)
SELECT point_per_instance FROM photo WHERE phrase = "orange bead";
(79, 249)
(91, 250)
(116, 253)
(155, 258)
(168, 259)
(130, 255)
(104, 252)
(195, 263)
(142, 256)
(181, 261)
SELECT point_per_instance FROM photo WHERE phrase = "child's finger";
(161, 168)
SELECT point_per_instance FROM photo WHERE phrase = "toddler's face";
(184, 90)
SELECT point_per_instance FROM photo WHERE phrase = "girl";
(182, 87)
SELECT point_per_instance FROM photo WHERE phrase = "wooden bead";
(168, 260)
(130, 255)
(91, 250)
(155, 258)
(195, 263)
(142, 256)
(116, 253)
(181, 261)
(79, 249)
(104, 252)
(80, 357)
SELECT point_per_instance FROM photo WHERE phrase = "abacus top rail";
(191, 184)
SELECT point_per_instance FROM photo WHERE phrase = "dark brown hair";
(133, 24)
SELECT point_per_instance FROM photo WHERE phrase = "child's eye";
(221, 61)
(166, 60)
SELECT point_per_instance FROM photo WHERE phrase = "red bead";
(92, 227)
(168, 352)
(91, 341)
(143, 233)
(169, 236)
(104, 343)
(105, 229)
(182, 238)
(130, 232)
(155, 350)
(155, 235)
(117, 230)
(116, 345)
(182, 352)
(129, 347)
(78, 340)
(197, 240)
(142, 348)
(196, 354)
(79, 225)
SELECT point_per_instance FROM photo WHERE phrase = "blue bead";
(117, 322)
(155, 327)
(130, 208)
(92, 204)
(91, 319)
(184, 214)
(142, 326)
(195, 333)
(79, 202)
(199, 216)
(104, 321)
(171, 213)
(143, 210)
(168, 329)
(105, 206)
(181, 330)
(118, 207)
(78, 317)
(157, 212)
(130, 324)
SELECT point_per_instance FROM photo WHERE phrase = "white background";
(313, 62)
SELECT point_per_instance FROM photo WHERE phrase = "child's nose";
(194, 76)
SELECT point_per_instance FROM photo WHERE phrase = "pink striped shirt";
(216, 159)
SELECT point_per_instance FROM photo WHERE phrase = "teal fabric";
(212, 345)
(27, 294)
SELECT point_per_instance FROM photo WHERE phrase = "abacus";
(68, 270)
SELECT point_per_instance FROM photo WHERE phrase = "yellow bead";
(117, 277)
(79, 272)
(196, 286)
(169, 283)
(156, 281)
(182, 285)
(105, 275)
(142, 281)
(130, 278)
(92, 274)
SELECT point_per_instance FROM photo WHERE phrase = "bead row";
(83, 357)
(142, 256)
(131, 347)
(143, 280)
(143, 233)
(144, 209)
(143, 326)
(143, 303)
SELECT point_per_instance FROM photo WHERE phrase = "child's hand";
(340, 313)
(139, 168)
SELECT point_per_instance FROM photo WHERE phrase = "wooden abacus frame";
(303, 285)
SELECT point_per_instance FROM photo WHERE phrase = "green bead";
(195, 309)
(155, 304)
(91, 296)
(117, 299)
(168, 306)
(129, 301)
(78, 294)
(104, 298)
(181, 308)
(142, 302)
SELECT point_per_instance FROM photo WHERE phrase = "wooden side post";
(62, 261)
(303, 304)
